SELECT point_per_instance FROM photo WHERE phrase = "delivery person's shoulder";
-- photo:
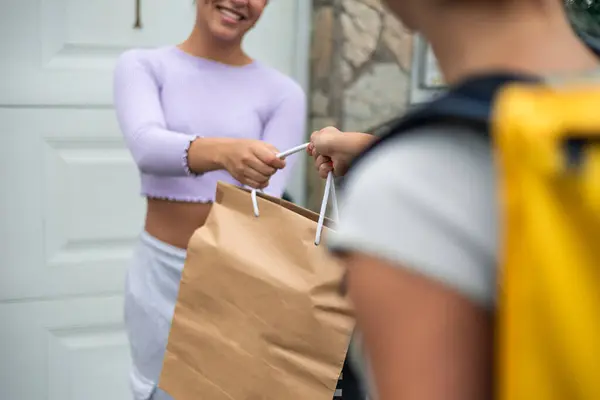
(426, 201)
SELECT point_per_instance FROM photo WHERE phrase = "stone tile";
(321, 122)
(378, 95)
(346, 70)
(398, 40)
(361, 26)
(319, 103)
(374, 4)
(360, 65)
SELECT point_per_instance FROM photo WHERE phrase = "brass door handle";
(138, 15)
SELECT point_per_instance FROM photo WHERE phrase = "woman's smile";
(229, 15)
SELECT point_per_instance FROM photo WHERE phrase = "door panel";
(63, 51)
(64, 349)
(74, 209)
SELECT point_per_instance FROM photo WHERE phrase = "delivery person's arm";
(418, 235)
(334, 150)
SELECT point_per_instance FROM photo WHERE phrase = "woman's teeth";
(231, 15)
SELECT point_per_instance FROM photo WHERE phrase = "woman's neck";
(538, 42)
(203, 45)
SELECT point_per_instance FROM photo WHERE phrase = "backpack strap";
(468, 104)
(591, 42)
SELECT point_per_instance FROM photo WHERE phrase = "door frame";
(297, 187)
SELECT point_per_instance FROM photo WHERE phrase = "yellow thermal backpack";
(548, 152)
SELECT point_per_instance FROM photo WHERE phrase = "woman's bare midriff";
(174, 222)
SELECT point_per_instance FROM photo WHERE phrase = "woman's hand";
(251, 162)
(333, 150)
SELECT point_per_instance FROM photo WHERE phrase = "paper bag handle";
(329, 188)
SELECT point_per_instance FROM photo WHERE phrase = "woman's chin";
(225, 34)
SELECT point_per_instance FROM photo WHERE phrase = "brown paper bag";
(259, 314)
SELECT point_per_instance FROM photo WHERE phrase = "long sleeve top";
(165, 98)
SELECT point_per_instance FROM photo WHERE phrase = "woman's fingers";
(254, 184)
(257, 173)
(250, 174)
(267, 155)
(260, 167)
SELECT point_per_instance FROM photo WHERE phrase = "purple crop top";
(165, 98)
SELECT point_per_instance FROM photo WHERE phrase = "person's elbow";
(146, 162)
(153, 157)
(151, 162)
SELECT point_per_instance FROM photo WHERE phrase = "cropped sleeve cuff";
(185, 159)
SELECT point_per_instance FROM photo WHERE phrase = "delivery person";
(418, 214)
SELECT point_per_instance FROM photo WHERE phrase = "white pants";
(151, 292)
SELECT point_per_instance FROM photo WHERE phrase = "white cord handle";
(283, 156)
(329, 188)
(293, 150)
(334, 203)
(328, 185)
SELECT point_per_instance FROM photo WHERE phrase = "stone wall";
(360, 69)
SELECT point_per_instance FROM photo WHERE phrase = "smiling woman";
(194, 114)
(226, 20)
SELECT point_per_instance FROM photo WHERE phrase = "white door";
(69, 208)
